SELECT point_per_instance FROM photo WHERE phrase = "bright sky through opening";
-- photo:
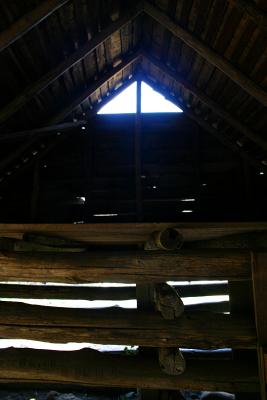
(151, 102)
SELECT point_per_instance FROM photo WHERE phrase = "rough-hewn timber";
(124, 326)
(91, 368)
(125, 266)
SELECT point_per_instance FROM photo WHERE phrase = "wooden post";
(137, 154)
(259, 276)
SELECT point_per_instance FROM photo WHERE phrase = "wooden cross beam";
(213, 105)
(21, 100)
(207, 53)
(29, 21)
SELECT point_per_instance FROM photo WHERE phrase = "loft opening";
(150, 101)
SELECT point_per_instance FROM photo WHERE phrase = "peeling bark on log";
(124, 326)
(90, 368)
(125, 266)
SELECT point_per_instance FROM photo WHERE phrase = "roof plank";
(213, 105)
(74, 58)
(28, 21)
(208, 53)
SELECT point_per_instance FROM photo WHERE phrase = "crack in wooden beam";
(213, 105)
(29, 21)
(21, 100)
(207, 53)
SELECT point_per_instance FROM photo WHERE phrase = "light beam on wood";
(52, 75)
(207, 53)
(95, 86)
(103, 293)
(29, 21)
(213, 105)
(200, 330)
(90, 368)
(125, 266)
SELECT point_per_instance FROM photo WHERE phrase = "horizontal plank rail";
(125, 266)
(201, 330)
(131, 233)
(100, 293)
(91, 368)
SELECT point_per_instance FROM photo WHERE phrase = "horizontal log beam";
(131, 233)
(207, 53)
(125, 266)
(21, 100)
(126, 327)
(99, 293)
(90, 368)
(28, 21)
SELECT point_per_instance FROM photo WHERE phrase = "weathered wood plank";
(28, 21)
(52, 75)
(131, 233)
(125, 326)
(213, 105)
(207, 53)
(125, 266)
(90, 368)
(251, 9)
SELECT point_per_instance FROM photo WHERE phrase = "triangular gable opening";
(151, 102)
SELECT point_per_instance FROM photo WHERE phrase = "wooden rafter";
(209, 128)
(207, 53)
(95, 86)
(250, 8)
(213, 105)
(21, 100)
(28, 21)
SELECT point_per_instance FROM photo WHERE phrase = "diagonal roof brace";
(207, 53)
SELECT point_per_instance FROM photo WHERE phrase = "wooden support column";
(259, 275)
(137, 154)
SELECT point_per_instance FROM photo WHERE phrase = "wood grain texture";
(90, 368)
(201, 330)
(23, 98)
(125, 266)
(131, 233)
(207, 53)
(28, 21)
